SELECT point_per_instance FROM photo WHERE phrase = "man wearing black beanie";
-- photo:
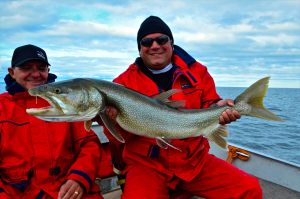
(154, 170)
(153, 24)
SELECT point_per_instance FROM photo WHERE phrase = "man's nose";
(35, 70)
(155, 45)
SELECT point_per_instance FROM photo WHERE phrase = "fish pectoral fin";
(88, 125)
(111, 126)
(164, 98)
(165, 95)
(163, 143)
(175, 104)
(218, 136)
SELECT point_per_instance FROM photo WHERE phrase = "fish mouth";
(57, 111)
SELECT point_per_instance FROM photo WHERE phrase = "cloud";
(236, 40)
(86, 28)
(279, 40)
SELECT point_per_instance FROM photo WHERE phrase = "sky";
(239, 41)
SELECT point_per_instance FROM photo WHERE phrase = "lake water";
(277, 139)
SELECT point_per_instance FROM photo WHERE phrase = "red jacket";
(198, 92)
(36, 156)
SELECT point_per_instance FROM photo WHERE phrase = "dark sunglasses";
(28, 67)
(161, 40)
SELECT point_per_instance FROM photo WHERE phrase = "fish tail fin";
(253, 97)
(218, 136)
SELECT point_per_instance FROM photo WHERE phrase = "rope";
(235, 152)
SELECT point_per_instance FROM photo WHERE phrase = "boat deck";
(270, 191)
(275, 191)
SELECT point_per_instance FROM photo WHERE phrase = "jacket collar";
(13, 87)
(181, 61)
(181, 58)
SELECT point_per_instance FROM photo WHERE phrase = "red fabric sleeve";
(88, 153)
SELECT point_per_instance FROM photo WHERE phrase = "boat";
(279, 179)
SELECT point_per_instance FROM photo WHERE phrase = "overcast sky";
(239, 41)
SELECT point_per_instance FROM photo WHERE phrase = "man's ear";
(11, 72)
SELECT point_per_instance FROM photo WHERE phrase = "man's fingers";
(112, 112)
(76, 194)
(79, 195)
(221, 120)
(225, 119)
(73, 194)
(61, 192)
(70, 190)
(229, 116)
(230, 102)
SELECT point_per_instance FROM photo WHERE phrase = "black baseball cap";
(26, 53)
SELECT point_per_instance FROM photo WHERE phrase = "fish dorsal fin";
(111, 126)
(163, 143)
(218, 136)
(163, 98)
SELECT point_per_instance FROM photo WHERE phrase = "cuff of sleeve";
(81, 177)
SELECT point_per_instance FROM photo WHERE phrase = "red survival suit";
(150, 170)
(37, 157)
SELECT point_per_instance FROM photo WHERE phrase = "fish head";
(70, 100)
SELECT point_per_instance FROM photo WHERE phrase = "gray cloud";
(236, 40)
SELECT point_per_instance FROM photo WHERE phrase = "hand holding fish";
(228, 115)
(110, 111)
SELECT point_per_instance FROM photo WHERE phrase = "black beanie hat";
(151, 25)
(28, 52)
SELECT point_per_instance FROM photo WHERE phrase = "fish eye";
(57, 90)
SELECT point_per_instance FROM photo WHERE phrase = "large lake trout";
(82, 99)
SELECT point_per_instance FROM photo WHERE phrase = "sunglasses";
(29, 68)
(161, 40)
